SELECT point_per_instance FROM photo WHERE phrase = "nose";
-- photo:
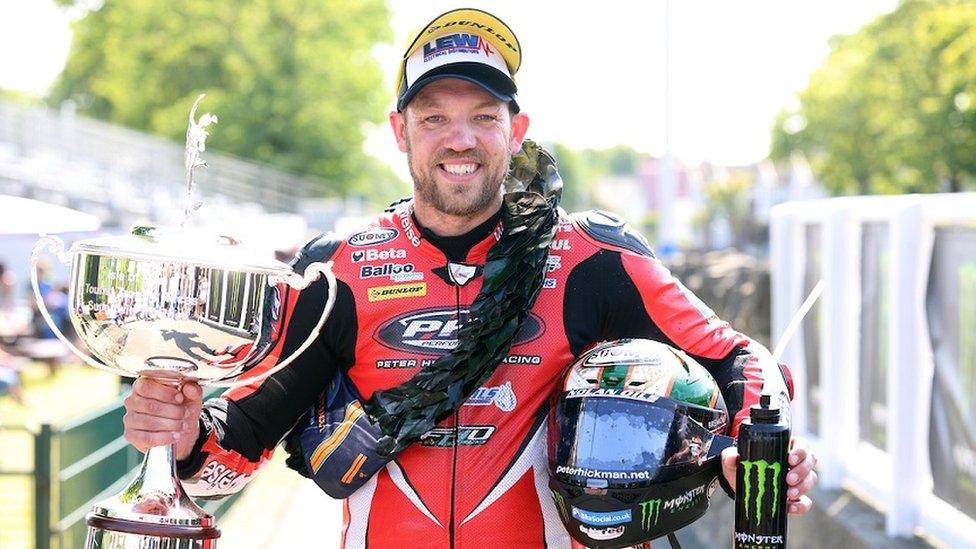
(461, 137)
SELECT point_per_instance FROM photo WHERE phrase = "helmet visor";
(610, 438)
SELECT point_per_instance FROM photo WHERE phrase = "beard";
(459, 201)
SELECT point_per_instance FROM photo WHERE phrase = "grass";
(72, 390)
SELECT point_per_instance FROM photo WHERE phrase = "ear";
(520, 125)
(398, 122)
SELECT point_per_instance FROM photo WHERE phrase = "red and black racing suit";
(479, 478)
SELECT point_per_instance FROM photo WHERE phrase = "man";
(405, 285)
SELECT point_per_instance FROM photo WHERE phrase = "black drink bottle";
(760, 479)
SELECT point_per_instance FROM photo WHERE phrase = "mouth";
(457, 170)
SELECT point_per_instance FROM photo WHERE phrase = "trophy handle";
(298, 282)
(56, 246)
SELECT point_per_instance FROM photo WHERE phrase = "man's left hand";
(800, 479)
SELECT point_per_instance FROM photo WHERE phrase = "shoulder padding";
(608, 228)
(320, 248)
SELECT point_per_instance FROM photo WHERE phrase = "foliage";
(294, 83)
(581, 169)
(893, 108)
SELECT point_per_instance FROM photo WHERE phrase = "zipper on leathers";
(457, 420)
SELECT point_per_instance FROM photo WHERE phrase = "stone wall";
(733, 284)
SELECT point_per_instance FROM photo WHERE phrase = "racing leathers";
(479, 478)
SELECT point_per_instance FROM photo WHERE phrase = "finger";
(800, 506)
(804, 487)
(142, 422)
(147, 388)
(730, 459)
(148, 406)
(801, 471)
(192, 391)
(149, 439)
(799, 452)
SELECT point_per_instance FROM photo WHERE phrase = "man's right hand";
(158, 413)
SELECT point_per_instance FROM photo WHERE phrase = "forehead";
(454, 92)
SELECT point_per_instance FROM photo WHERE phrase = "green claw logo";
(760, 467)
(650, 513)
(561, 503)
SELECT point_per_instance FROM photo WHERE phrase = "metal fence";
(76, 465)
(888, 362)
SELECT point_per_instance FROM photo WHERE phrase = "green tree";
(293, 82)
(893, 109)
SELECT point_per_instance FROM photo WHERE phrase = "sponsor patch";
(610, 532)
(532, 360)
(434, 331)
(382, 293)
(560, 244)
(605, 475)
(553, 263)
(373, 236)
(502, 396)
(620, 355)
(221, 477)
(397, 272)
(608, 518)
(396, 363)
(549, 283)
(373, 254)
(408, 230)
(466, 435)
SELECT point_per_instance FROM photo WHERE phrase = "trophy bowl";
(174, 305)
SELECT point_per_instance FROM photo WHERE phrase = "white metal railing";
(898, 477)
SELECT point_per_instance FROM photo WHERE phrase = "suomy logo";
(754, 477)
(373, 236)
(434, 331)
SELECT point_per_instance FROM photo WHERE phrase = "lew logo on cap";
(456, 43)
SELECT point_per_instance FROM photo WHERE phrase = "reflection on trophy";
(173, 304)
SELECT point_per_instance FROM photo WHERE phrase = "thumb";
(730, 459)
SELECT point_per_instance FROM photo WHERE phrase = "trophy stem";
(153, 506)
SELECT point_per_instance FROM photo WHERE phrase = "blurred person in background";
(406, 284)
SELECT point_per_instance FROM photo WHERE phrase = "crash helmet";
(635, 432)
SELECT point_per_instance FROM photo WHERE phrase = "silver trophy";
(173, 304)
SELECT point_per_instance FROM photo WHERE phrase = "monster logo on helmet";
(636, 430)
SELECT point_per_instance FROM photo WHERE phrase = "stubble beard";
(455, 203)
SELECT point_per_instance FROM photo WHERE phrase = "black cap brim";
(494, 81)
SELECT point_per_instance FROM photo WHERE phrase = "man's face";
(459, 140)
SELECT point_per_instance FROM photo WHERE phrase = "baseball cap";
(465, 43)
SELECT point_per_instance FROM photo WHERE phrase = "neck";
(443, 224)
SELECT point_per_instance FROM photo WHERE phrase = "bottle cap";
(764, 412)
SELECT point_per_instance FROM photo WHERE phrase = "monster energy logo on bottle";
(650, 513)
(561, 503)
(760, 467)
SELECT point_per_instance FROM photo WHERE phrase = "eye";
(486, 117)
(434, 119)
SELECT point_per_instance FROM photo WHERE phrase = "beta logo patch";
(382, 293)
(373, 236)
(377, 255)
(434, 331)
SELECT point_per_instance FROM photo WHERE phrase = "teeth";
(460, 169)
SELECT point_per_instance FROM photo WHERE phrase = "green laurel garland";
(514, 272)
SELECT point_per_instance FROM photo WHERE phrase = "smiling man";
(409, 285)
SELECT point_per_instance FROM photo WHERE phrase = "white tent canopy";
(25, 216)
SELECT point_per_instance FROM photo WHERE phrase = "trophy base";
(112, 533)
(152, 512)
